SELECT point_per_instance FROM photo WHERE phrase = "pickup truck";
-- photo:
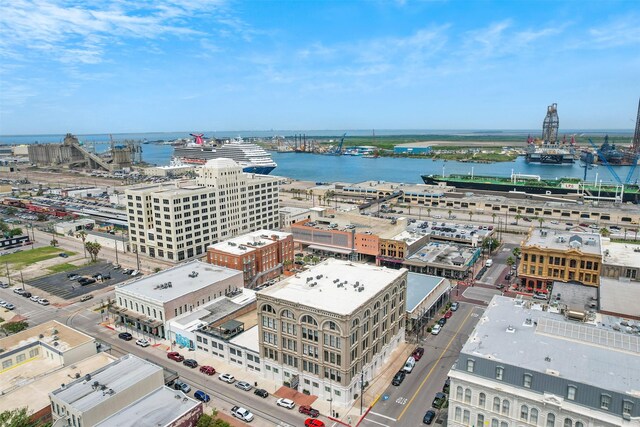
(242, 413)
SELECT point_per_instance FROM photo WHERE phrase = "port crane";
(338, 150)
(603, 159)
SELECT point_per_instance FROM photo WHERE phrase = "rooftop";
(248, 242)
(28, 385)
(248, 339)
(522, 334)
(182, 279)
(293, 210)
(158, 408)
(218, 309)
(113, 378)
(440, 230)
(450, 254)
(624, 254)
(325, 219)
(52, 332)
(619, 297)
(334, 286)
(563, 240)
(419, 286)
(409, 189)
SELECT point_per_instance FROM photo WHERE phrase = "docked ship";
(250, 156)
(533, 184)
(549, 150)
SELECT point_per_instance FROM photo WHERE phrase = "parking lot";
(61, 286)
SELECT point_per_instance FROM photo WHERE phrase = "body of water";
(319, 168)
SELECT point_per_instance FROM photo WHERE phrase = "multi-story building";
(261, 255)
(146, 304)
(327, 328)
(289, 215)
(527, 366)
(449, 260)
(549, 255)
(129, 391)
(620, 260)
(179, 220)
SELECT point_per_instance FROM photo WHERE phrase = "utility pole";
(137, 258)
(116, 240)
(361, 389)
(22, 278)
(8, 276)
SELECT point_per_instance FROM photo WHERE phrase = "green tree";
(604, 232)
(3, 226)
(428, 211)
(540, 221)
(493, 217)
(19, 418)
(510, 261)
(11, 211)
(470, 215)
(490, 244)
(16, 232)
(14, 327)
(54, 242)
(82, 235)
(287, 264)
(516, 252)
(517, 217)
(449, 212)
(94, 249)
(315, 259)
(41, 217)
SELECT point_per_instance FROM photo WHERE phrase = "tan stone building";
(549, 256)
(323, 330)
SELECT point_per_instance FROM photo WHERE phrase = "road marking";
(383, 416)
(474, 315)
(401, 400)
(375, 422)
(435, 365)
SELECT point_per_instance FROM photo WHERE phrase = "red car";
(417, 353)
(312, 422)
(209, 370)
(448, 314)
(308, 410)
(174, 355)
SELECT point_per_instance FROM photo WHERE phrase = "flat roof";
(563, 240)
(444, 230)
(419, 286)
(323, 286)
(158, 408)
(29, 387)
(66, 337)
(180, 280)
(574, 295)
(248, 242)
(117, 376)
(545, 342)
(293, 210)
(619, 297)
(444, 253)
(624, 254)
(248, 339)
(212, 312)
(361, 223)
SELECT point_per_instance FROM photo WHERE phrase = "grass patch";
(629, 241)
(61, 267)
(31, 256)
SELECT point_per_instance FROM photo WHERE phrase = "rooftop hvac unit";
(231, 244)
(309, 279)
(87, 377)
(336, 280)
(313, 284)
(361, 288)
(319, 276)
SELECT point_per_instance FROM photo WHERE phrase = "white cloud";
(618, 32)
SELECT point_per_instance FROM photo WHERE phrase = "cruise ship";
(251, 157)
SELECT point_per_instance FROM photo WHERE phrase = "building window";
(571, 392)
(579, 424)
(499, 373)
(533, 418)
(457, 414)
(459, 393)
(605, 401)
(495, 423)
(505, 407)
(568, 422)
(466, 416)
(496, 404)
(480, 420)
(551, 420)
(627, 408)
(527, 380)
(470, 365)
(467, 395)
(482, 398)
(524, 412)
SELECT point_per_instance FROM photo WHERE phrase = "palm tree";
(493, 217)
(428, 211)
(540, 220)
(470, 215)
(82, 235)
(604, 232)
(510, 261)
(516, 252)
(449, 212)
(517, 217)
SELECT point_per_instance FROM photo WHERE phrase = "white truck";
(242, 413)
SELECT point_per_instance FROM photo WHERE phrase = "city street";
(406, 404)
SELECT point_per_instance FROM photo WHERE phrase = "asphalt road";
(406, 404)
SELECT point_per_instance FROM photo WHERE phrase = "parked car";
(243, 385)
(190, 363)
(448, 314)
(439, 400)
(125, 336)
(540, 295)
(209, 370)
(442, 321)
(26, 294)
(261, 392)
(63, 255)
(174, 355)
(308, 410)
(179, 385)
(4, 285)
(34, 298)
(201, 396)
(312, 422)
(142, 342)
(436, 329)
(9, 306)
(86, 298)
(417, 353)
(242, 413)
(454, 306)
(18, 291)
(43, 301)
(446, 386)
(72, 276)
(227, 378)
(429, 416)
(286, 403)
(398, 378)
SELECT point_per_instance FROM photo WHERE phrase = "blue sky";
(86, 66)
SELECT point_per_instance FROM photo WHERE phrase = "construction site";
(73, 154)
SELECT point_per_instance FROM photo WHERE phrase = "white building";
(179, 220)
(323, 330)
(289, 215)
(526, 365)
(146, 303)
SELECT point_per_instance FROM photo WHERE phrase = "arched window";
(386, 298)
(467, 395)
(308, 319)
(459, 393)
(524, 412)
(551, 420)
(355, 324)
(533, 418)
(267, 308)
(505, 407)
(288, 314)
(376, 306)
(568, 422)
(331, 325)
(504, 424)
(579, 424)
(482, 398)
(366, 315)
(394, 290)
(494, 423)
(496, 404)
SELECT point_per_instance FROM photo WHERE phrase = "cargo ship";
(533, 184)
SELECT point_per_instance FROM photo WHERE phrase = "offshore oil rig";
(549, 149)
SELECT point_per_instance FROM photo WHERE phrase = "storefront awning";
(331, 249)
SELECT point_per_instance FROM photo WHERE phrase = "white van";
(489, 263)
(409, 364)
